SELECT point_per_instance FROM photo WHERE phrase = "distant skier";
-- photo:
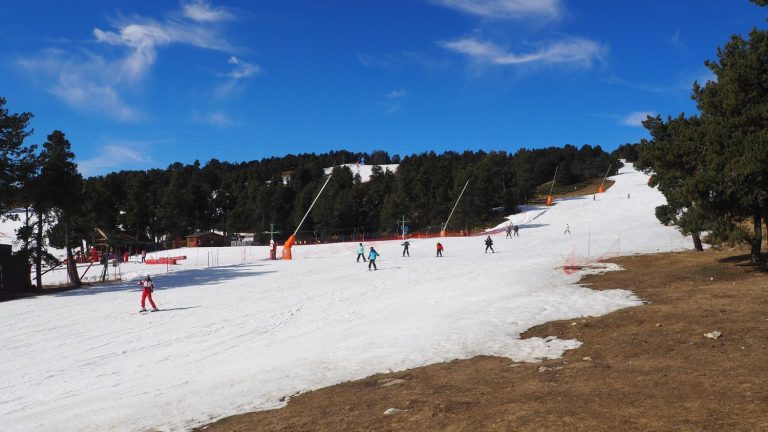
(361, 253)
(143, 255)
(439, 249)
(372, 255)
(406, 244)
(509, 232)
(489, 245)
(516, 229)
(147, 287)
(567, 230)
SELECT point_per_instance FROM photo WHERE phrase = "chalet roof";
(204, 234)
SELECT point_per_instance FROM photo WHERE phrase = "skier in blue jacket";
(372, 255)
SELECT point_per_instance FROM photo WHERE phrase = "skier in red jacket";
(147, 286)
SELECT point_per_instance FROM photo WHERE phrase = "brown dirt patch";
(644, 368)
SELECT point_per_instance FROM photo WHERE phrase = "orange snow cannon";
(287, 247)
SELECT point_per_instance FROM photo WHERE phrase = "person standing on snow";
(361, 253)
(147, 286)
(516, 229)
(143, 255)
(406, 244)
(567, 230)
(509, 231)
(489, 245)
(439, 249)
(372, 255)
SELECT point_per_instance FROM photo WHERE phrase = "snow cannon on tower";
(550, 197)
(292, 239)
(445, 226)
(601, 189)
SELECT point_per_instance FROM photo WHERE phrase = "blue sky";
(138, 85)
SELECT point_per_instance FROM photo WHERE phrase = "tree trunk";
(757, 239)
(74, 277)
(697, 242)
(39, 251)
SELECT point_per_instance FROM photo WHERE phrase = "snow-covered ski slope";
(239, 337)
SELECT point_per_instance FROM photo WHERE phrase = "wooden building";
(206, 239)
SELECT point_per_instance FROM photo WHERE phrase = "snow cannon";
(287, 247)
(550, 200)
(601, 189)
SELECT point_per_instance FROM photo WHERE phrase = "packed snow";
(238, 333)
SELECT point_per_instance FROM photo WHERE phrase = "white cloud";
(576, 51)
(394, 100)
(506, 9)
(242, 69)
(201, 11)
(143, 39)
(636, 118)
(111, 157)
(216, 118)
(95, 83)
(396, 94)
(235, 79)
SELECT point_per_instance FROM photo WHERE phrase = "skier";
(567, 230)
(143, 255)
(406, 244)
(372, 255)
(439, 249)
(509, 231)
(516, 229)
(147, 286)
(489, 245)
(361, 253)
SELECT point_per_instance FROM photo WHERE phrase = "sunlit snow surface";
(243, 335)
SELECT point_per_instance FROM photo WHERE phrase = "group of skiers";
(512, 230)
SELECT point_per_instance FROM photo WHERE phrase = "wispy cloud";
(111, 157)
(216, 118)
(506, 9)
(83, 82)
(573, 51)
(636, 118)
(96, 83)
(202, 11)
(684, 83)
(675, 39)
(393, 100)
(242, 69)
(235, 80)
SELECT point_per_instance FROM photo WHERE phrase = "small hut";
(206, 239)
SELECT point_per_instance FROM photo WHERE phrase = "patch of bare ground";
(647, 368)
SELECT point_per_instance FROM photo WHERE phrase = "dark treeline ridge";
(250, 196)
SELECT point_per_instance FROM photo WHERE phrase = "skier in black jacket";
(405, 246)
(489, 245)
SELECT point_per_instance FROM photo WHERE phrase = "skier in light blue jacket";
(360, 253)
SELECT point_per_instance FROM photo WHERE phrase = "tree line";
(60, 208)
(713, 166)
